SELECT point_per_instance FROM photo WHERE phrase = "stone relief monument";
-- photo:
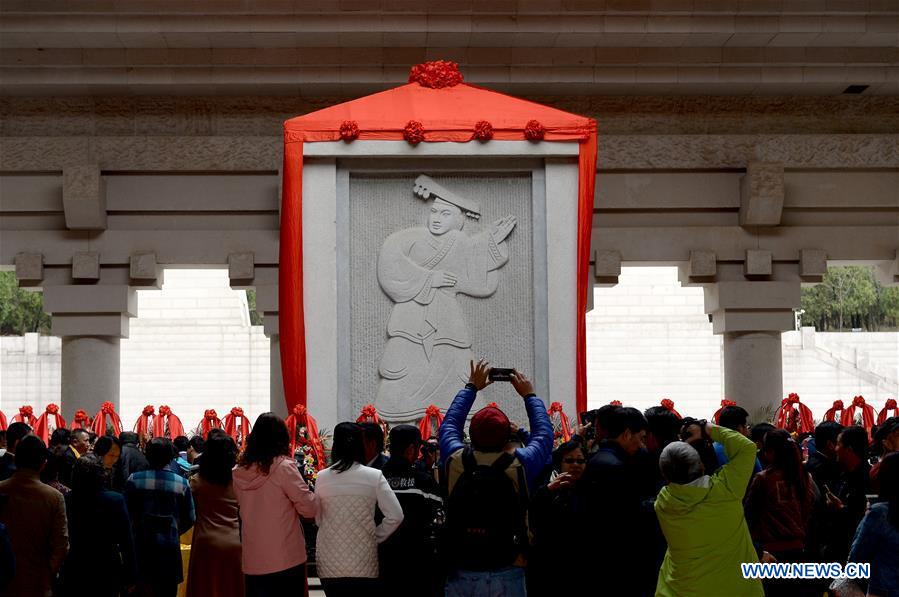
(423, 270)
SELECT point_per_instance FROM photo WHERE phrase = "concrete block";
(758, 263)
(111, 298)
(29, 267)
(241, 266)
(270, 325)
(812, 264)
(143, 267)
(762, 194)
(114, 325)
(86, 266)
(606, 267)
(84, 198)
(703, 264)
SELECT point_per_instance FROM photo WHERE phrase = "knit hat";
(489, 429)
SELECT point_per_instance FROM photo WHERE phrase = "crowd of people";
(627, 503)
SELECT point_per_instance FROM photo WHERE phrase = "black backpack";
(485, 515)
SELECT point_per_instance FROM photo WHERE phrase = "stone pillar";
(276, 382)
(753, 370)
(90, 373)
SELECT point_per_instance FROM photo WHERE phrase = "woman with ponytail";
(779, 507)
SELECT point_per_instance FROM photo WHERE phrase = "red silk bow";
(724, 404)
(26, 415)
(299, 419)
(42, 427)
(209, 422)
(368, 414)
(831, 414)
(3, 424)
(564, 425)
(81, 420)
(237, 425)
(167, 424)
(99, 424)
(784, 419)
(668, 404)
(883, 416)
(430, 424)
(615, 403)
(867, 415)
(144, 423)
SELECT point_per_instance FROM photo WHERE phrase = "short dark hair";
(348, 447)
(60, 437)
(403, 436)
(181, 443)
(758, 431)
(218, 459)
(14, 434)
(77, 432)
(31, 453)
(197, 443)
(602, 414)
(159, 452)
(664, 425)
(625, 417)
(565, 449)
(373, 433)
(827, 431)
(129, 437)
(104, 444)
(88, 475)
(856, 439)
(732, 417)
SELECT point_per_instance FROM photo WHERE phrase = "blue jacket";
(877, 542)
(533, 458)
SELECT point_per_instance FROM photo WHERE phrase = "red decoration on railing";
(99, 425)
(436, 74)
(867, 414)
(349, 130)
(81, 420)
(414, 133)
(42, 427)
(209, 422)
(831, 414)
(167, 424)
(724, 404)
(883, 416)
(794, 416)
(237, 425)
(298, 420)
(144, 425)
(534, 131)
(555, 411)
(483, 130)
(668, 404)
(430, 424)
(26, 415)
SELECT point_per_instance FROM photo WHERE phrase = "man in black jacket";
(131, 460)
(79, 445)
(407, 557)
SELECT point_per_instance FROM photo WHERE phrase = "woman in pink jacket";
(272, 496)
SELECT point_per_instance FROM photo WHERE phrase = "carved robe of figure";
(423, 270)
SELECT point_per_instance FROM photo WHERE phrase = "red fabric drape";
(430, 423)
(831, 414)
(454, 112)
(883, 416)
(99, 424)
(237, 425)
(867, 414)
(209, 421)
(167, 424)
(26, 415)
(3, 424)
(724, 404)
(784, 417)
(81, 420)
(668, 404)
(42, 427)
(564, 425)
(300, 418)
(143, 427)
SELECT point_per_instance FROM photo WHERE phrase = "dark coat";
(130, 461)
(66, 466)
(556, 533)
(7, 466)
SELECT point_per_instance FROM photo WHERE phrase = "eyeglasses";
(574, 461)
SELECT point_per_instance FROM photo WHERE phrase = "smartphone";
(500, 374)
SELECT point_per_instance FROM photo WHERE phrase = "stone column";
(90, 373)
(753, 370)
(276, 382)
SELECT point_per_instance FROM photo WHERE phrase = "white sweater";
(347, 543)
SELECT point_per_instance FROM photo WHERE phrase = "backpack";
(485, 515)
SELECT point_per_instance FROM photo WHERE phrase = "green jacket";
(706, 530)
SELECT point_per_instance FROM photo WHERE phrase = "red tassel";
(785, 418)
(210, 421)
(237, 425)
(867, 415)
(724, 404)
(99, 424)
(300, 417)
(81, 420)
(42, 427)
(883, 416)
(432, 420)
(564, 425)
(144, 424)
(26, 415)
(167, 424)
(831, 413)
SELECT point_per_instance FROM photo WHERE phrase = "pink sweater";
(269, 507)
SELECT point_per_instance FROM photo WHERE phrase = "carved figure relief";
(422, 270)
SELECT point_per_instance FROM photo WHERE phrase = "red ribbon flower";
(483, 130)
(167, 424)
(436, 74)
(564, 425)
(237, 425)
(42, 426)
(668, 404)
(890, 405)
(724, 404)
(26, 411)
(210, 421)
(81, 416)
(414, 133)
(164, 411)
(785, 418)
(107, 409)
(867, 414)
(534, 131)
(52, 409)
(210, 414)
(142, 426)
(148, 411)
(301, 419)
(831, 413)
(349, 130)
(430, 424)
(615, 403)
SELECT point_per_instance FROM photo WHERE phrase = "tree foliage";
(21, 311)
(850, 297)
(255, 316)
